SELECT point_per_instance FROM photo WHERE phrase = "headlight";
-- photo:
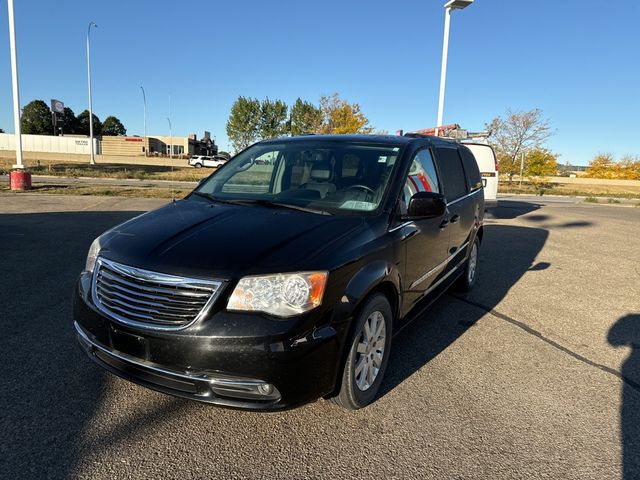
(92, 256)
(282, 295)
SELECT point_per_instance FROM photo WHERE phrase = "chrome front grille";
(150, 299)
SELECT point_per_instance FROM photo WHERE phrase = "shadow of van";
(506, 254)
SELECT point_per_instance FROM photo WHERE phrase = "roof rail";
(416, 135)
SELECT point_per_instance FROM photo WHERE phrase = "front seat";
(320, 179)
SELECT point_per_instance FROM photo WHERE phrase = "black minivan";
(283, 276)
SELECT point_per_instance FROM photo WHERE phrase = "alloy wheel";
(473, 263)
(370, 351)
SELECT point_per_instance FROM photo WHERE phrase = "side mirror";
(426, 205)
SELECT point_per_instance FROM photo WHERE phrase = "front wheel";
(468, 279)
(368, 354)
(198, 165)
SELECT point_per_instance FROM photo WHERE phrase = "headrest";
(321, 171)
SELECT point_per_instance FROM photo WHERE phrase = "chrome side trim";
(435, 285)
(215, 286)
(405, 224)
(438, 267)
(466, 196)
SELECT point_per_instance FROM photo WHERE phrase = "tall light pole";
(448, 7)
(16, 91)
(144, 100)
(170, 139)
(93, 157)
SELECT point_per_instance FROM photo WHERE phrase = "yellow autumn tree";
(541, 162)
(341, 117)
(601, 166)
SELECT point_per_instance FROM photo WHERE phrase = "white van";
(488, 165)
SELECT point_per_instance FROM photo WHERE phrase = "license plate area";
(129, 344)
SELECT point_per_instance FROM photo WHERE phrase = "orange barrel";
(20, 180)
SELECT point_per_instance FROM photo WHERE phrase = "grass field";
(610, 191)
(115, 191)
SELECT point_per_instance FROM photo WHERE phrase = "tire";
(468, 278)
(198, 165)
(365, 354)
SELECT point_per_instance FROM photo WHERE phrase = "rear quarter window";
(452, 173)
(471, 169)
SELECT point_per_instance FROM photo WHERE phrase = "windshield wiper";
(259, 201)
(272, 204)
(213, 198)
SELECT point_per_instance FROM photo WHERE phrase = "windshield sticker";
(358, 205)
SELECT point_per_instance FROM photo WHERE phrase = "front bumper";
(220, 360)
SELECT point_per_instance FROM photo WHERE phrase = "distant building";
(158, 145)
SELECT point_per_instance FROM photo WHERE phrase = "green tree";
(341, 117)
(273, 118)
(83, 124)
(516, 133)
(113, 126)
(36, 118)
(70, 121)
(541, 162)
(244, 122)
(305, 118)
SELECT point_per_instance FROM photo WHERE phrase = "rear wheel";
(368, 354)
(468, 279)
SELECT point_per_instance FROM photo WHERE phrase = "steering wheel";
(362, 187)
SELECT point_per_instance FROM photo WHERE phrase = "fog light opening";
(265, 389)
(247, 389)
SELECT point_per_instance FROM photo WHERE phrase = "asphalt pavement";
(534, 374)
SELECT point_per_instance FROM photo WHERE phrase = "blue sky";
(577, 60)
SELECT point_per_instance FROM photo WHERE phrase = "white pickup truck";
(200, 161)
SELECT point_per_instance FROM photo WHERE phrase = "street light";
(16, 92)
(144, 100)
(448, 7)
(170, 139)
(93, 158)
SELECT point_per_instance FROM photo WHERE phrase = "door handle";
(455, 218)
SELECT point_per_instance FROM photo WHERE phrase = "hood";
(202, 239)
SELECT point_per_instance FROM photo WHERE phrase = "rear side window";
(452, 173)
(471, 169)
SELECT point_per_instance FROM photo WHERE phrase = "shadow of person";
(626, 333)
(506, 254)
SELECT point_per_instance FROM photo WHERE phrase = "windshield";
(336, 177)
